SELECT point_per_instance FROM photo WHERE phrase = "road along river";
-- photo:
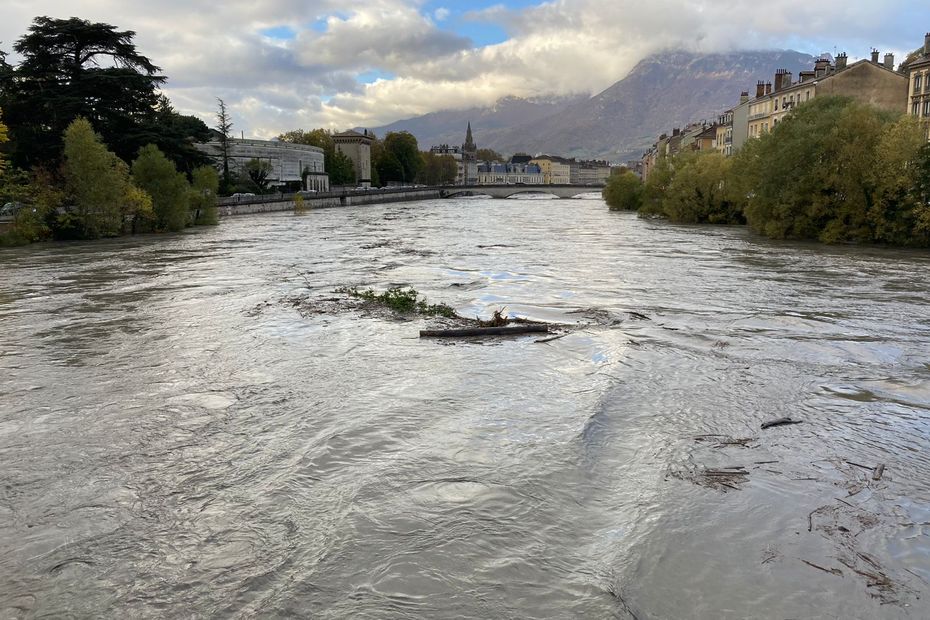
(182, 435)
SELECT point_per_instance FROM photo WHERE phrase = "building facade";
(509, 174)
(918, 90)
(555, 170)
(289, 163)
(357, 147)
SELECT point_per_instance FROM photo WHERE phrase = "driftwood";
(877, 474)
(779, 422)
(484, 331)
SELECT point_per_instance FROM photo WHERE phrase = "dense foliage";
(833, 170)
(437, 169)
(169, 189)
(624, 192)
(401, 160)
(77, 109)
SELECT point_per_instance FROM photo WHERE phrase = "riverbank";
(278, 202)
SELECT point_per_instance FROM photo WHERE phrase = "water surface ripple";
(177, 440)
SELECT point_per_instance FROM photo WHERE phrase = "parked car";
(11, 208)
(242, 195)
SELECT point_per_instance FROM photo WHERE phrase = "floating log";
(877, 474)
(484, 331)
(779, 422)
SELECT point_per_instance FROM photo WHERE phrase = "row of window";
(916, 108)
(787, 102)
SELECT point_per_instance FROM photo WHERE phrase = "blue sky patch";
(284, 33)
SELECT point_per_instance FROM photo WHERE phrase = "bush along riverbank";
(834, 170)
(95, 194)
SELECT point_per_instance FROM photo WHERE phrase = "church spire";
(469, 140)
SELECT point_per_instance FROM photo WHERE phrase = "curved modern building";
(289, 162)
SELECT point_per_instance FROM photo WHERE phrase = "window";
(807, 95)
(776, 105)
(927, 108)
(917, 79)
(916, 109)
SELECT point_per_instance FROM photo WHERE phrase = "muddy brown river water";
(179, 439)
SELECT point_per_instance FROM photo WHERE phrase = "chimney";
(760, 89)
(841, 61)
(889, 62)
(874, 56)
(744, 96)
(927, 44)
(768, 88)
(675, 132)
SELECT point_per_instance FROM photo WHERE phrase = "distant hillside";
(663, 91)
(448, 126)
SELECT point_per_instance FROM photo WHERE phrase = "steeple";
(469, 140)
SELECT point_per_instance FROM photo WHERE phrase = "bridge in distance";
(506, 191)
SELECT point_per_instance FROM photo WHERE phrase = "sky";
(289, 64)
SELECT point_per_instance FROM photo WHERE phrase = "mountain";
(663, 91)
(448, 126)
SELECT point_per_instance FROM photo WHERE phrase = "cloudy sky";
(287, 64)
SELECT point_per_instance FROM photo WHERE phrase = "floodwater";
(181, 435)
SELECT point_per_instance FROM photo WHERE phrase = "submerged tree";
(169, 189)
(205, 184)
(624, 192)
(98, 183)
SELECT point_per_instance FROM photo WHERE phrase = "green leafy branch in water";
(401, 301)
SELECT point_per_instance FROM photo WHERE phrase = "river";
(183, 435)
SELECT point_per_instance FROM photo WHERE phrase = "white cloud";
(560, 46)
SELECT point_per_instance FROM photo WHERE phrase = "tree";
(341, 169)
(223, 127)
(98, 184)
(624, 192)
(812, 175)
(169, 189)
(205, 184)
(4, 138)
(656, 186)
(699, 191)
(402, 147)
(257, 171)
(489, 155)
(437, 169)
(75, 68)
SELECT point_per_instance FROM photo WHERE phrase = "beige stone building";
(555, 170)
(867, 81)
(357, 147)
(918, 90)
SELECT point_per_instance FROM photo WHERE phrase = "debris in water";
(780, 422)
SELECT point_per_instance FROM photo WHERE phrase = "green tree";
(341, 169)
(75, 68)
(223, 127)
(205, 184)
(389, 168)
(656, 186)
(4, 138)
(437, 169)
(699, 191)
(257, 171)
(624, 192)
(98, 184)
(899, 203)
(489, 155)
(169, 189)
(813, 174)
(402, 147)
